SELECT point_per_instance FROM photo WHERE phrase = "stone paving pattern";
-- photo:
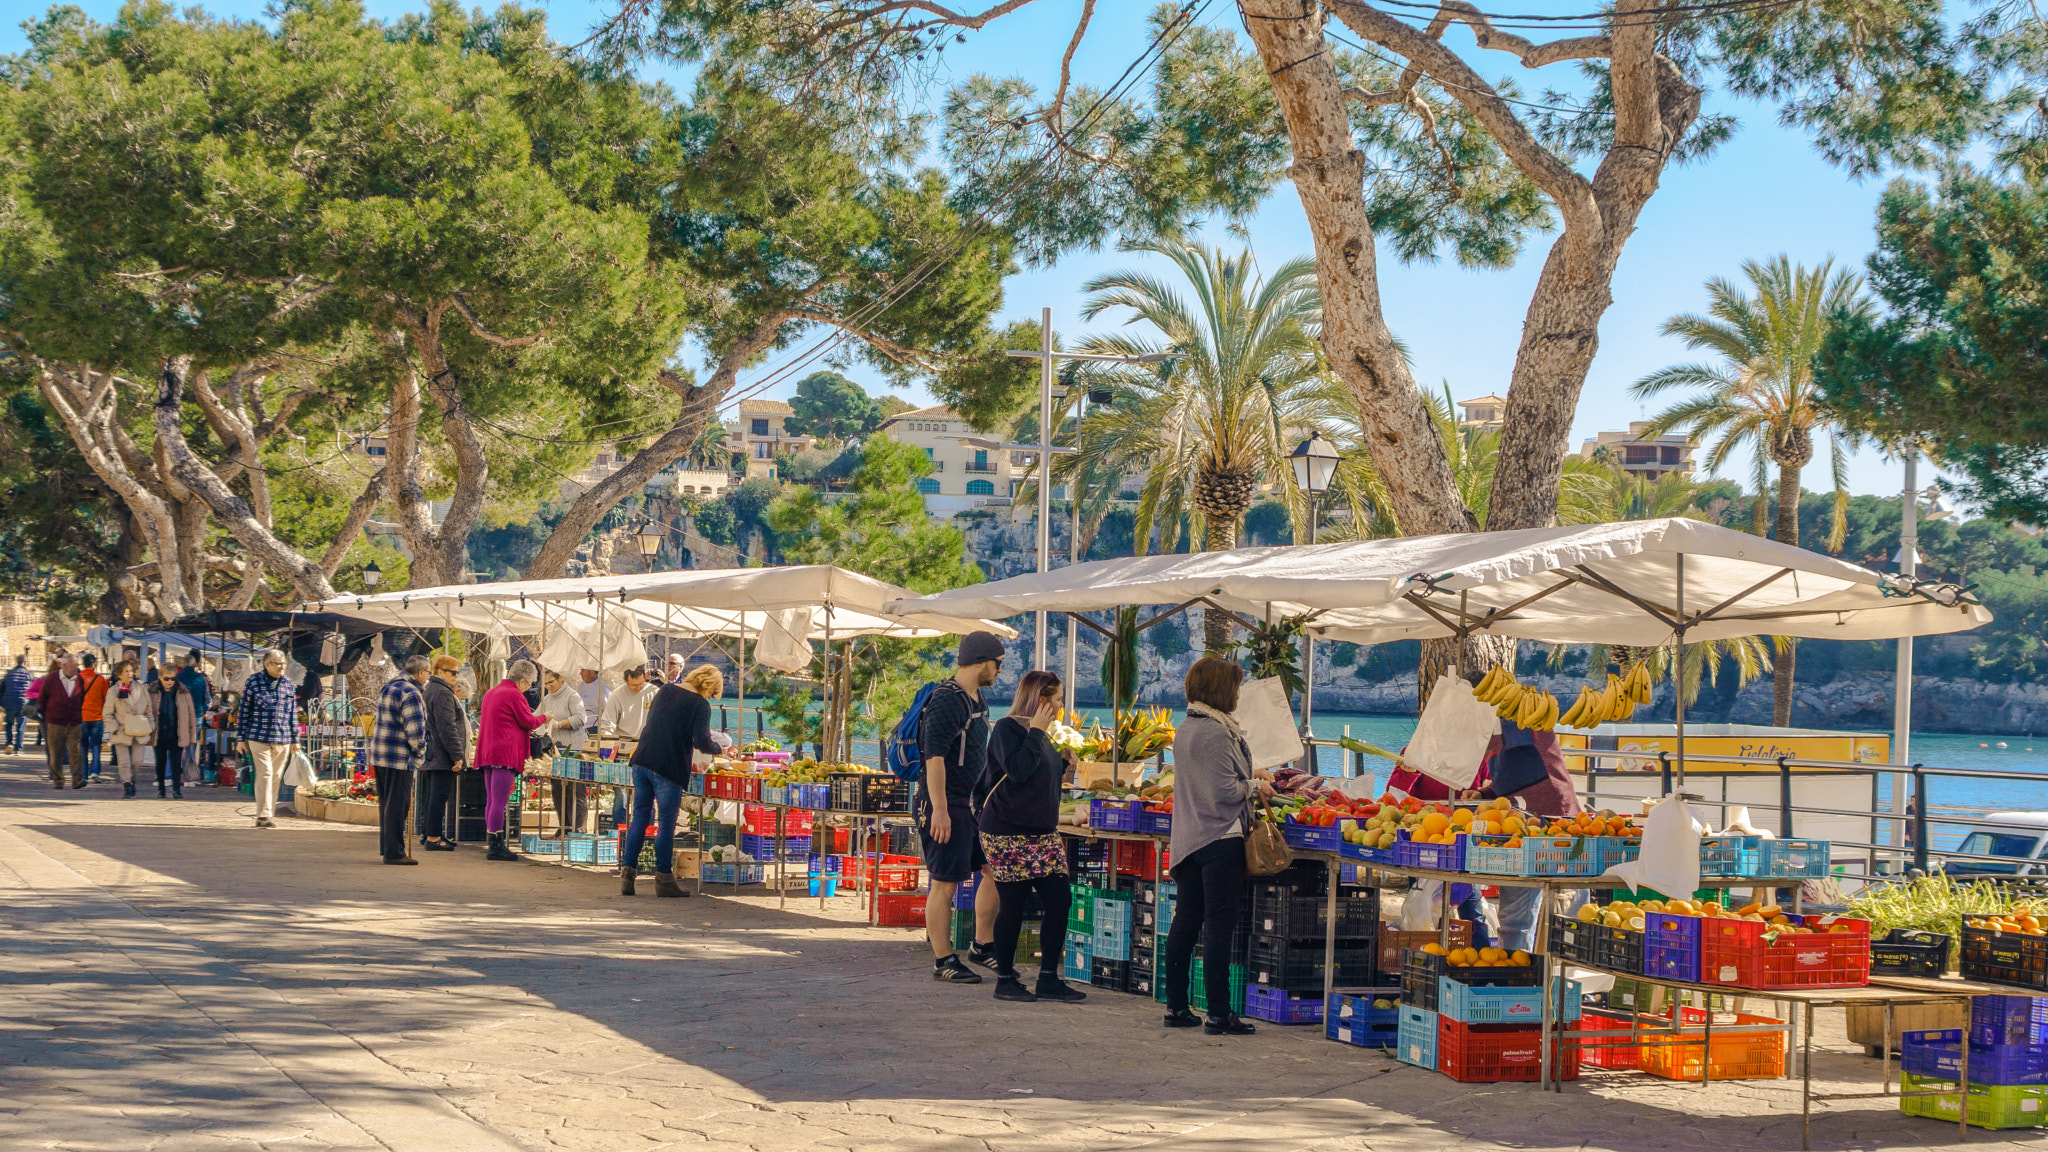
(178, 980)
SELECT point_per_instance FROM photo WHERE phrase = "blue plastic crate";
(1534, 856)
(1939, 1052)
(1671, 946)
(696, 785)
(1415, 1039)
(1724, 856)
(1077, 957)
(1154, 823)
(1311, 837)
(1352, 1019)
(1110, 944)
(1112, 914)
(580, 847)
(1793, 858)
(1361, 852)
(1503, 1004)
(1430, 857)
(535, 844)
(766, 848)
(2009, 1020)
(1114, 815)
(1616, 850)
(1282, 1007)
(817, 796)
(735, 873)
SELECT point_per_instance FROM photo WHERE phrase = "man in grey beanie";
(952, 737)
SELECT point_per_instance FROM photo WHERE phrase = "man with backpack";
(952, 748)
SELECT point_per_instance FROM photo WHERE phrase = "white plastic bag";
(785, 644)
(1423, 910)
(1670, 859)
(299, 772)
(1268, 723)
(1452, 734)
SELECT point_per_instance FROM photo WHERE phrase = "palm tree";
(1207, 427)
(1761, 394)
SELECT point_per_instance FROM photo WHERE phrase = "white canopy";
(716, 602)
(1609, 583)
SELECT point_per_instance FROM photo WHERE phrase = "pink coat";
(504, 727)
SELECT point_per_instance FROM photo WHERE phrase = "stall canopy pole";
(1678, 695)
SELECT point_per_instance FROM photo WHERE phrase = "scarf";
(1228, 721)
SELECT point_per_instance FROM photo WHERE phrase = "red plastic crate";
(1491, 1053)
(1604, 1051)
(1134, 858)
(721, 786)
(900, 909)
(749, 787)
(761, 822)
(889, 873)
(1733, 953)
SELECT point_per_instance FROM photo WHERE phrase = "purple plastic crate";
(1939, 1052)
(1263, 1003)
(1431, 857)
(1155, 823)
(766, 848)
(1311, 837)
(1671, 946)
(1113, 815)
(2009, 1020)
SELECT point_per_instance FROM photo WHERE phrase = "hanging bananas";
(1614, 703)
(1527, 707)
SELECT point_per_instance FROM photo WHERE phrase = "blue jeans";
(16, 721)
(649, 793)
(1519, 908)
(91, 734)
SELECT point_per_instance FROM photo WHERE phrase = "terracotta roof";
(935, 412)
(765, 408)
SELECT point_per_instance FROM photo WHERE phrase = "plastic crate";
(1990, 1105)
(1113, 815)
(1415, 1038)
(885, 874)
(1155, 823)
(900, 909)
(1310, 837)
(1729, 1055)
(1671, 946)
(1734, 953)
(963, 928)
(2009, 1019)
(1493, 1053)
(768, 847)
(696, 785)
(1725, 856)
(1281, 1006)
(2003, 957)
(1420, 991)
(721, 786)
(1619, 949)
(1198, 988)
(580, 847)
(1503, 1003)
(1109, 974)
(1571, 939)
(1278, 911)
(1534, 856)
(535, 844)
(1394, 941)
(1430, 857)
(1939, 1052)
(1616, 1048)
(1352, 1019)
(869, 792)
(1910, 952)
(1793, 859)
(761, 821)
(1138, 982)
(810, 795)
(1277, 963)
(1361, 852)
(743, 874)
(1616, 850)
(1111, 943)
(1414, 961)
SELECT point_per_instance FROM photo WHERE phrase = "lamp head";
(1315, 464)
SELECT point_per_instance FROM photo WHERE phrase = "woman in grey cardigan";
(1212, 811)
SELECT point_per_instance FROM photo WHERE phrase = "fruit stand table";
(1886, 994)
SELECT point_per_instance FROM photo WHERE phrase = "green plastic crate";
(963, 927)
(1655, 999)
(1198, 989)
(1991, 1105)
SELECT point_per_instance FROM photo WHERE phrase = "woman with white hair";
(267, 727)
(504, 737)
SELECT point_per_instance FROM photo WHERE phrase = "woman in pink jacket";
(504, 732)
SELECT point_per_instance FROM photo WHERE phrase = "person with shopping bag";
(267, 730)
(131, 727)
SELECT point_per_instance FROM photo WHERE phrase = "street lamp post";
(1902, 678)
(1314, 461)
(649, 538)
(372, 574)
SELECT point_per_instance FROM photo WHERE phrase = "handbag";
(1265, 849)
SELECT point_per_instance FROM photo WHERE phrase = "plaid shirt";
(269, 712)
(400, 737)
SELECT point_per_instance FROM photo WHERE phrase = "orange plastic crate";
(1735, 1055)
(1733, 953)
(1491, 1053)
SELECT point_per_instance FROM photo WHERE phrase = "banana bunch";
(1612, 704)
(1527, 707)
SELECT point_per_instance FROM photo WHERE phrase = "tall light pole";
(1314, 461)
(1902, 678)
(1045, 357)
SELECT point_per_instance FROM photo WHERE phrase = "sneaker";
(1012, 988)
(265, 822)
(1051, 987)
(983, 956)
(952, 971)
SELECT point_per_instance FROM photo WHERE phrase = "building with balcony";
(1486, 413)
(962, 477)
(1650, 458)
(759, 435)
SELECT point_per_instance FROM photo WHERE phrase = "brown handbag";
(1265, 849)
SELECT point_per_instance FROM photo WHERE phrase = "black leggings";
(170, 764)
(436, 786)
(1211, 883)
(1056, 894)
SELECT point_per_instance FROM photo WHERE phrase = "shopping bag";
(1452, 734)
(1265, 849)
(1670, 858)
(299, 773)
(1270, 730)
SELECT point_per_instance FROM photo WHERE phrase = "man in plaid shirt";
(396, 745)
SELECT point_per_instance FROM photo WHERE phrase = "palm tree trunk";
(1785, 667)
(1222, 537)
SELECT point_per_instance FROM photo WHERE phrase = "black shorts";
(959, 857)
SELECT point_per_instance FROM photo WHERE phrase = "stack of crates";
(1145, 939)
(1289, 933)
(2008, 1064)
(1110, 939)
(1030, 939)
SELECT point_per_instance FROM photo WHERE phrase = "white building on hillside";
(963, 477)
(758, 433)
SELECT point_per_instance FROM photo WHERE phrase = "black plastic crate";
(1416, 962)
(1091, 855)
(1142, 959)
(1110, 974)
(1910, 952)
(1279, 911)
(869, 792)
(2004, 957)
(1418, 991)
(1138, 983)
(1620, 949)
(1297, 965)
(1571, 939)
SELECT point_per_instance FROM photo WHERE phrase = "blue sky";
(1765, 192)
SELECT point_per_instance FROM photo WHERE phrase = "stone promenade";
(177, 980)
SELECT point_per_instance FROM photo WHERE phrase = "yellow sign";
(1763, 749)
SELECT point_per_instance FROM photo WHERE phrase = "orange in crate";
(900, 909)
(1393, 940)
(1734, 953)
(1734, 1055)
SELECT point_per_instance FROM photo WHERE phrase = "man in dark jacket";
(678, 726)
(952, 737)
(14, 700)
(447, 749)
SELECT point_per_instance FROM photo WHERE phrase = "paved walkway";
(176, 979)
